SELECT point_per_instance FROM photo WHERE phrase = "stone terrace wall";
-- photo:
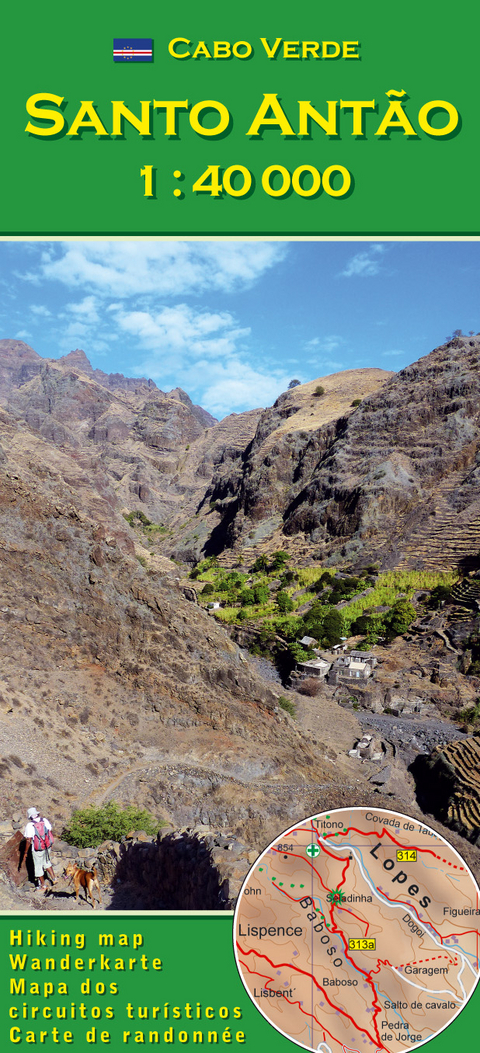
(448, 785)
(179, 871)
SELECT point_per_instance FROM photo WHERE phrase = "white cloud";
(204, 352)
(159, 268)
(181, 331)
(365, 264)
(386, 354)
(23, 334)
(82, 324)
(325, 343)
(40, 310)
(231, 388)
(86, 310)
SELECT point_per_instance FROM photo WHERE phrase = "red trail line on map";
(362, 921)
(449, 935)
(375, 1003)
(384, 832)
(380, 834)
(288, 965)
(344, 871)
(255, 972)
(380, 962)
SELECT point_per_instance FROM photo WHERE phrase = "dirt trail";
(99, 796)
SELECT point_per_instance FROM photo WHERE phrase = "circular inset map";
(358, 929)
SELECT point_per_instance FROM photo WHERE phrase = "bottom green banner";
(127, 981)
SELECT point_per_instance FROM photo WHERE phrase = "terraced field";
(465, 597)
(447, 535)
(455, 771)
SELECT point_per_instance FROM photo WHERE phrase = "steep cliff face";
(283, 456)
(18, 364)
(395, 477)
(402, 481)
(128, 436)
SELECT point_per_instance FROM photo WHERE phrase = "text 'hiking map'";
(358, 930)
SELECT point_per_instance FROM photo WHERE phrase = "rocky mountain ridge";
(393, 478)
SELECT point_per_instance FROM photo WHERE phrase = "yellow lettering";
(221, 49)
(395, 109)
(310, 47)
(358, 106)
(47, 115)
(209, 104)
(17, 986)
(346, 180)
(438, 104)
(201, 50)
(290, 48)
(242, 44)
(307, 112)
(279, 118)
(171, 111)
(179, 54)
(120, 111)
(271, 51)
(326, 44)
(87, 117)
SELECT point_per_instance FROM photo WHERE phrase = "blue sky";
(232, 322)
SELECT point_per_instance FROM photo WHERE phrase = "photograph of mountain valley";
(240, 555)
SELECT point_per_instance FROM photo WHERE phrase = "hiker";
(38, 834)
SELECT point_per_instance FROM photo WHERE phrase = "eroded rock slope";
(394, 478)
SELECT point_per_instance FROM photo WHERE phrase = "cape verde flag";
(132, 49)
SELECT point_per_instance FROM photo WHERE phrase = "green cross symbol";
(312, 851)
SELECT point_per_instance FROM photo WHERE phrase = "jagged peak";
(19, 349)
(77, 358)
(181, 396)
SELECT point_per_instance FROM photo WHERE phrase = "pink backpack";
(42, 837)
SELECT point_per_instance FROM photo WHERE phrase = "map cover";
(353, 931)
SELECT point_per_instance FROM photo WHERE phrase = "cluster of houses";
(335, 666)
(343, 665)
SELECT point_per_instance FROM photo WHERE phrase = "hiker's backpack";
(42, 837)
